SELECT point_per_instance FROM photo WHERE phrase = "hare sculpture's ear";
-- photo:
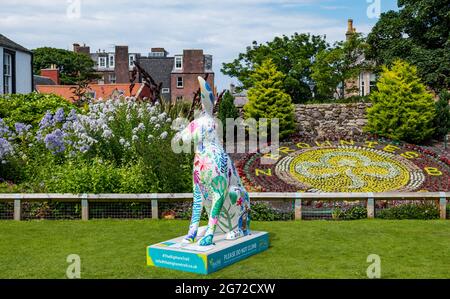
(207, 96)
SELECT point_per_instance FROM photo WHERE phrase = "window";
(178, 62)
(90, 95)
(156, 54)
(208, 63)
(111, 61)
(131, 60)
(7, 73)
(102, 62)
(165, 90)
(179, 82)
(112, 78)
(373, 82)
(362, 88)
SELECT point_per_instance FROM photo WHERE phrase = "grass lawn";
(308, 249)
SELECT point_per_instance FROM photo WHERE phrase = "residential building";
(178, 74)
(112, 67)
(366, 80)
(94, 90)
(16, 71)
(187, 68)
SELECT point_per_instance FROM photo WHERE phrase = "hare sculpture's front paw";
(188, 240)
(236, 234)
(206, 240)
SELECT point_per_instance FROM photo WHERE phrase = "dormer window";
(102, 62)
(178, 62)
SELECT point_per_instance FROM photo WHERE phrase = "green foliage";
(402, 108)
(442, 119)
(419, 34)
(268, 100)
(349, 100)
(336, 65)
(422, 211)
(30, 108)
(261, 211)
(130, 152)
(292, 57)
(227, 109)
(95, 177)
(352, 213)
(73, 67)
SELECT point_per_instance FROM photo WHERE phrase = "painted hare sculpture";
(216, 183)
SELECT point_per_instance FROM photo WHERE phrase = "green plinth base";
(204, 260)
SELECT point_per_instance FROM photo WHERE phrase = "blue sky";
(222, 28)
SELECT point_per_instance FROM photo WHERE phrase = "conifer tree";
(402, 107)
(267, 99)
(442, 119)
(227, 109)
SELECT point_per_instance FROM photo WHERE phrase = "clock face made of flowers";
(346, 166)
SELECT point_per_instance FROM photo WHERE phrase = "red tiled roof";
(103, 91)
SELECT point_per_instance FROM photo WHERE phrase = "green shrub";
(349, 100)
(95, 177)
(352, 213)
(421, 211)
(261, 211)
(442, 119)
(268, 100)
(227, 109)
(402, 107)
(30, 108)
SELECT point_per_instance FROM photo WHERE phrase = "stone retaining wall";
(331, 120)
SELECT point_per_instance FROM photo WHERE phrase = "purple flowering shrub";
(128, 139)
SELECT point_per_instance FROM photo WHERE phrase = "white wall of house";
(23, 73)
(1, 70)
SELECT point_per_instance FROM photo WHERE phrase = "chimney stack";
(350, 29)
(52, 73)
(81, 49)
(122, 66)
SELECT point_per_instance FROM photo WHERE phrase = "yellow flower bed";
(349, 170)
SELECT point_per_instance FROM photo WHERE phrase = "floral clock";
(346, 166)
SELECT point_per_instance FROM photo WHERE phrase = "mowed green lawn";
(306, 249)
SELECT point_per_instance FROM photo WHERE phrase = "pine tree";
(267, 99)
(442, 119)
(402, 107)
(227, 109)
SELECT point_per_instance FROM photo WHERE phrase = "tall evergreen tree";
(402, 107)
(227, 109)
(442, 119)
(267, 99)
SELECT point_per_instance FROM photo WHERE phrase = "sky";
(222, 28)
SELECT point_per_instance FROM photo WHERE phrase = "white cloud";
(222, 28)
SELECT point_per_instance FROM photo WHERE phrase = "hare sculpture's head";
(203, 129)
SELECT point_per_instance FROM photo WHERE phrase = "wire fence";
(264, 206)
(120, 210)
(7, 210)
(50, 210)
(330, 210)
